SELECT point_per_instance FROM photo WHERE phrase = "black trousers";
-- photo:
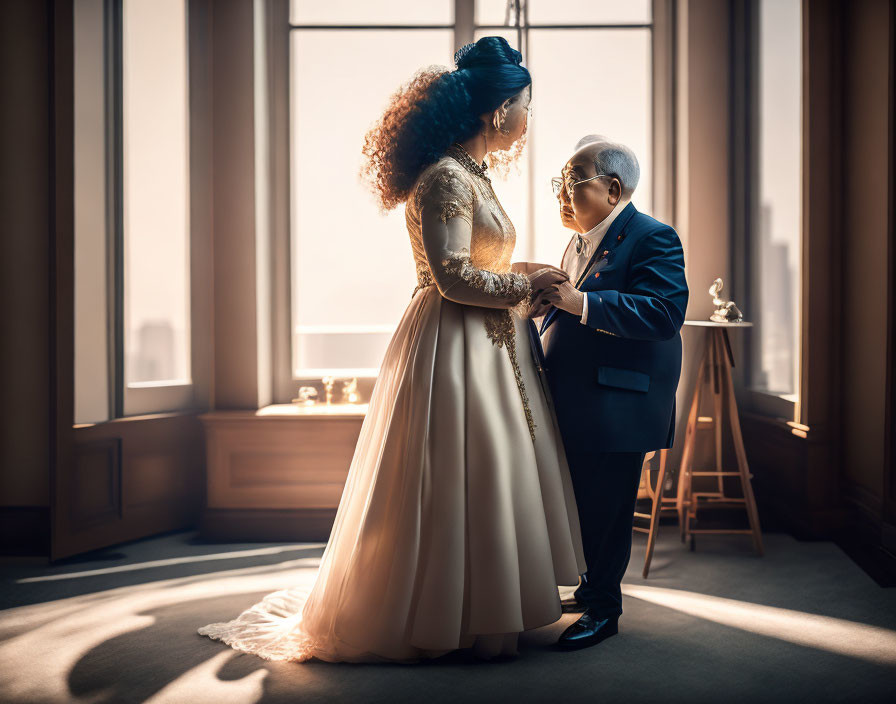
(606, 486)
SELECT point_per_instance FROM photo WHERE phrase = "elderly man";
(612, 356)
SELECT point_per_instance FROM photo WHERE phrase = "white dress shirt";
(574, 264)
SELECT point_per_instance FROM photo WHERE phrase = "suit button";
(597, 275)
(619, 238)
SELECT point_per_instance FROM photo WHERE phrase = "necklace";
(457, 152)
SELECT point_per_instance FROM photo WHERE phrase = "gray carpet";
(803, 623)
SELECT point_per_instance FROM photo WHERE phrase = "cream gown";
(458, 519)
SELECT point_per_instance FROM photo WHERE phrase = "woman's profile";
(458, 519)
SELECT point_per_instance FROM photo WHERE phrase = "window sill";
(778, 424)
(772, 406)
(280, 411)
(140, 418)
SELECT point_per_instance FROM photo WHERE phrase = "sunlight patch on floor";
(233, 555)
(202, 684)
(840, 636)
(48, 640)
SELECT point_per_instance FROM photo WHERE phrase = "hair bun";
(488, 51)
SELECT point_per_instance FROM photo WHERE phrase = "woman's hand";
(542, 278)
(542, 281)
(538, 308)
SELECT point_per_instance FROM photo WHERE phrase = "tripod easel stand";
(714, 378)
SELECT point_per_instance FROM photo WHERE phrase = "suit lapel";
(609, 242)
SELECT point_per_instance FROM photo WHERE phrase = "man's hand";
(566, 297)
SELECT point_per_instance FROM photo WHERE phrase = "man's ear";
(614, 192)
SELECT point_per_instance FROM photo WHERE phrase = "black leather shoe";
(589, 630)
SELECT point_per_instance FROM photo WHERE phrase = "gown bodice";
(449, 188)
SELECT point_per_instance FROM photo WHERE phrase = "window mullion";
(464, 14)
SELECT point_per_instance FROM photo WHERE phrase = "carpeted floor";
(802, 624)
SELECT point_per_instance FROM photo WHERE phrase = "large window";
(776, 199)
(352, 270)
(561, 49)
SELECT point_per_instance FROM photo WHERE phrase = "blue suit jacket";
(613, 381)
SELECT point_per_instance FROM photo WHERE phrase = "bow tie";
(583, 245)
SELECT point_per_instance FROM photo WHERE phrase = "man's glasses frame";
(558, 183)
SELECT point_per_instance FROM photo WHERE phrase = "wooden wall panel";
(132, 477)
(701, 178)
(95, 496)
(275, 477)
(27, 228)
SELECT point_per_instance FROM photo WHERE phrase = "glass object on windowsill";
(350, 391)
(308, 396)
(726, 311)
(328, 382)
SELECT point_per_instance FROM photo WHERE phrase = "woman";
(457, 521)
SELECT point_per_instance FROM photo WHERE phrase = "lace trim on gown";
(270, 629)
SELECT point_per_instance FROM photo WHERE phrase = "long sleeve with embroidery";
(446, 205)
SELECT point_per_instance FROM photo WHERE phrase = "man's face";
(593, 200)
(567, 217)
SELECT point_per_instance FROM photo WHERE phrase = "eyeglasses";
(558, 184)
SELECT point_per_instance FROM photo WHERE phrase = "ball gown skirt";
(455, 525)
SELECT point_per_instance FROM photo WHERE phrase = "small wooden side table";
(714, 378)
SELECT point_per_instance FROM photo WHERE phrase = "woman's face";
(516, 121)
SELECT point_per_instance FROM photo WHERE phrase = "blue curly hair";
(435, 109)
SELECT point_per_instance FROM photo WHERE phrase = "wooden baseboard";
(25, 531)
(865, 536)
(796, 483)
(888, 535)
(238, 525)
(860, 499)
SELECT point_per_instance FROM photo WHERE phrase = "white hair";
(588, 139)
(615, 159)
